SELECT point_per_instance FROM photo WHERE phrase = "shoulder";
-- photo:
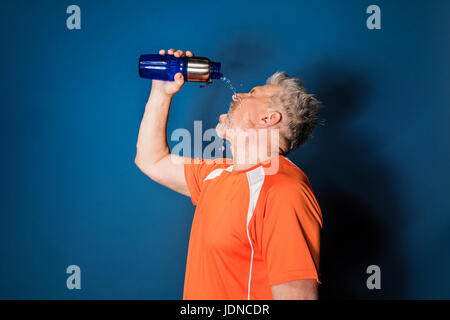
(290, 189)
(288, 180)
(210, 165)
(203, 161)
(287, 188)
(202, 168)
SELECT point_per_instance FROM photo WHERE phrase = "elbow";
(138, 162)
(148, 163)
(141, 164)
(146, 167)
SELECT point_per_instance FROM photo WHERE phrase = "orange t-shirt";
(251, 230)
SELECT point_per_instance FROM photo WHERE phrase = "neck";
(245, 160)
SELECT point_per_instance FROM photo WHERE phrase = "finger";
(162, 52)
(179, 78)
(189, 53)
(178, 53)
(170, 51)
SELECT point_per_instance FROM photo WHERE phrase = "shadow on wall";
(353, 184)
(355, 190)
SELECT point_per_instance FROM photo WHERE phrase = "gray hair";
(298, 108)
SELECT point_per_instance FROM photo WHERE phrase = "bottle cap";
(215, 71)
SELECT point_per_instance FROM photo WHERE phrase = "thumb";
(179, 79)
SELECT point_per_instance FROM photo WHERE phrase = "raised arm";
(153, 154)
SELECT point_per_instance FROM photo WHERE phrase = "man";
(256, 230)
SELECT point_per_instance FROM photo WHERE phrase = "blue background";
(71, 104)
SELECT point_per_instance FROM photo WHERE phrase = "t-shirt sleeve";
(195, 172)
(291, 234)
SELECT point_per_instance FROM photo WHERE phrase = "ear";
(270, 119)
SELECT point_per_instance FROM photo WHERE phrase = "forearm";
(296, 290)
(152, 140)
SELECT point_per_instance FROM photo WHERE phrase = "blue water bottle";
(164, 67)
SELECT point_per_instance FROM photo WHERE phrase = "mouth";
(233, 105)
(225, 116)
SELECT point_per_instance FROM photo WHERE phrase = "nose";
(236, 97)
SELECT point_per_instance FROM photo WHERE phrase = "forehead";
(267, 89)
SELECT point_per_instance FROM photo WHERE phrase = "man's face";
(247, 110)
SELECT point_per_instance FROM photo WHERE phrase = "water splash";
(230, 85)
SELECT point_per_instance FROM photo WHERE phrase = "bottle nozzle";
(215, 70)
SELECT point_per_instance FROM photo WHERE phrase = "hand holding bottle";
(171, 87)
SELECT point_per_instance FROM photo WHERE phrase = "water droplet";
(230, 85)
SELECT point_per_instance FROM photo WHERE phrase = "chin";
(220, 130)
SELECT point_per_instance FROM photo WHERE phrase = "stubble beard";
(224, 126)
